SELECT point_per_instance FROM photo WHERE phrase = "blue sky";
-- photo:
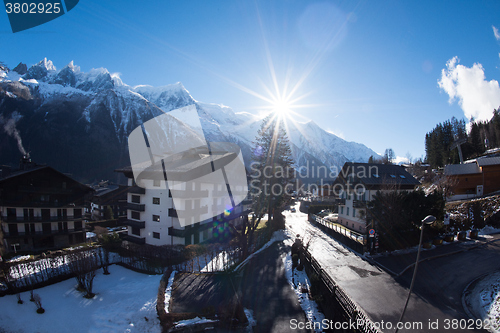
(381, 73)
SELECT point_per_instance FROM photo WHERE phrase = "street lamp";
(429, 219)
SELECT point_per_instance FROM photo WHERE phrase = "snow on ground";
(168, 290)
(297, 279)
(19, 258)
(488, 230)
(193, 321)
(485, 301)
(251, 321)
(125, 301)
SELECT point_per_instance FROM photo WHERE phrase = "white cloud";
(495, 32)
(476, 96)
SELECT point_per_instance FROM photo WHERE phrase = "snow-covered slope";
(96, 108)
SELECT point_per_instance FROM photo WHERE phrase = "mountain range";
(79, 122)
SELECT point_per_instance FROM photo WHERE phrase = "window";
(354, 212)
(393, 176)
(376, 175)
(11, 214)
(347, 211)
(136, 199)
(156, 218)
(341, 209)
(156, 235)
(136, 231)
(402, 176)
(156, 182)
(77, 213)
(136, 215)
(156, 201)
(78, 225)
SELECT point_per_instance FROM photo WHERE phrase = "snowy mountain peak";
(40, 70)
(73, 68)
(47, 64)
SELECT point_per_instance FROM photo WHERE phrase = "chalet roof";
(377, 174)
(488, 161)
(471, 167)
(36, 168)
(461, 169)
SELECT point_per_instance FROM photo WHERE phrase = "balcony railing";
(41, 233)
(134, 239)
(340, 201)
(135, 206)
(22, 219)
(136, 190)
(135, 224)
(359, 204)
(176, 232)
(189, 194)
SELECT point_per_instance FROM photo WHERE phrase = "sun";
(281, 107)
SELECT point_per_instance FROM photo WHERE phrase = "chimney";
(25, 162)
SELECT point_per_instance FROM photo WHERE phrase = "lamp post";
(429, 219)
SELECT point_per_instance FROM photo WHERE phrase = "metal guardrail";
(360, 238)
(351, 311)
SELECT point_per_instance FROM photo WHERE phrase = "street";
(438, 288)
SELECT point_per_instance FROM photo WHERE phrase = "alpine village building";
(41, 208)
(358, 183)
(152, 218)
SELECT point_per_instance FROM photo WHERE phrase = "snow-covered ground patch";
(483, 300)
(194, 321)
(251, 321)
(19, 258)
(125, 301)
(297, 280)
(168, 290)
(488, 230)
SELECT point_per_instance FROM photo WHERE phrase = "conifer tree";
(271, 178)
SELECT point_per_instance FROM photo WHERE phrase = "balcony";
(172, 212)
(33, 219)
(359, 204)
(189, 194)
(41, 233)
(135, 224)
(134, 239)
(136, 190)
(176, 232)
(340, 201)
(135, 206)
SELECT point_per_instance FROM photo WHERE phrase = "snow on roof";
(461, 169)
(488, 161)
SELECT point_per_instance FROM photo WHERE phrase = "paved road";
(441, 281)
(266, 291)
(382, 296)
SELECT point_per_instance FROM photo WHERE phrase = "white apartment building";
(152, 217)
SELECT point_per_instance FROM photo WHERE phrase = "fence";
(336, 304)
(346, 236)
